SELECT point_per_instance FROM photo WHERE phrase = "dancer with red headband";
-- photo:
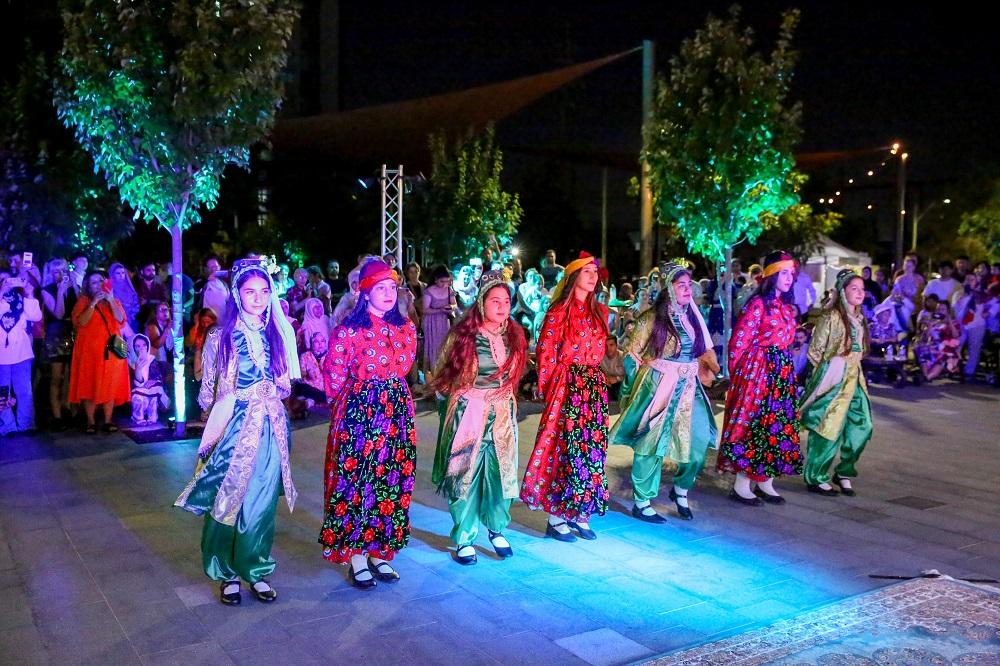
(760, 440)
(371, 451)
(565, 474)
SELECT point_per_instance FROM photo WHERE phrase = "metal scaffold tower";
(392, 212)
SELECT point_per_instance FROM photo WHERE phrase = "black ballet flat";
(390, 576)
(825, 492)
(552, 532)
(683, 511)
(582, 532)
(769, 498)
(846, 491)
(746, 501)
(264, 596)
(361, 584)
(464, 560)
(503, 551)
(232, 599)
(654, 517)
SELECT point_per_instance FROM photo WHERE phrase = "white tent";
(829, 259)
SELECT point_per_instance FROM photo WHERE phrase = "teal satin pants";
(484, 502)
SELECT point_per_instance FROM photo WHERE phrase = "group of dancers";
(249, 362)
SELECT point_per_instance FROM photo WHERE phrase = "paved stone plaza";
(96, 567)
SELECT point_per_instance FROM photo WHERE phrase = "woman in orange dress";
(97, 376)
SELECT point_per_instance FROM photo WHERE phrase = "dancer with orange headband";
(565, 474)
(760, 440)
(371, 451)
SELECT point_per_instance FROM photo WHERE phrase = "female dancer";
(475, 465)
(836, 408)
(760, 440)
(665, 411)
(565, 474)
(371, 451)
(249, 362)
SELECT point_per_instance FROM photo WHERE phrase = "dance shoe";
(551, 531)
(464, 560)
(746, 501)
(845, 490)
(263, 591)
(361, 584)
(654, 517)
(233, 598)
(503, 551)
(582, 532)
(683, 511)
(383, 571)
(768, 497)
(825, 492)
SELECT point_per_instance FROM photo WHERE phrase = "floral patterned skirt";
(565, 475)
(769, 445)
(370, 460)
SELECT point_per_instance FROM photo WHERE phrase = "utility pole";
(646, 220)
(901, 209)
(604, 216)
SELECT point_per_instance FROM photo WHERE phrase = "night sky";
(868, 72)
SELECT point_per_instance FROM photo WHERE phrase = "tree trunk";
(177, 328)
(727, 309)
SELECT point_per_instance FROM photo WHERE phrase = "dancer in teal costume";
(243, 464)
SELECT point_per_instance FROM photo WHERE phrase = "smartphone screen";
(26, 260)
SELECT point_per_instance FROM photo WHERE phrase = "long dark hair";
(768, 289)
(359, 317)
(591, 304)
(455, 372)
(840, 306)
(663, 324)
(273, 336)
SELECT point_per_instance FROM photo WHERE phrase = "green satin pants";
(484, 502)
(853, 438)
(648, 470)
(244, 550)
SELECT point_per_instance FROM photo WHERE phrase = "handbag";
(116, 344)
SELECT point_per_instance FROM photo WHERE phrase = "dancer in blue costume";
(243, 463)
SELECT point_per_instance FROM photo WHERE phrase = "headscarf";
(490, 279)
(139, 364)
(311, 324)
(669, 273)
(585, 259)
(273, 309)
(778, 261)
(124, 291)
(373, 272)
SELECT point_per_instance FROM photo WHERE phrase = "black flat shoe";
(769, 498)
(503, 551)
(387, 575)
(464, 560)
(232, 599)
(654, 517)
(846, 491)
(825, 492)
(265, 596)
(360, 584)
(683, 511)
(582, 532)
(752, 501)
(550, 531)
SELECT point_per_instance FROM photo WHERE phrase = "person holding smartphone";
(97, 375)
(59, 294)
(18, 310)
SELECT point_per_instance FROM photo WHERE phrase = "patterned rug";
(937, 622)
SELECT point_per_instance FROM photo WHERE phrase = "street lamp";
(917, 216)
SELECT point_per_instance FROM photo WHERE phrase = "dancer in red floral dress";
(565, 475)
(371, 451)
(760, 440)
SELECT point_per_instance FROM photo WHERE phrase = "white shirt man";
(946, 288)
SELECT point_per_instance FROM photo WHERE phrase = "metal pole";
(382, 180)
(901, 209)
(915, 213)
(399, 227)
(604, 216)
(646, 219)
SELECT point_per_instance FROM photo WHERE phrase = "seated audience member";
(147, 383)
(884, 328)
(613, 365)
(800, 351)
(937, 347)
(204, 322)
(314, 321)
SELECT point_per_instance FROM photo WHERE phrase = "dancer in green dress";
(836, 408)
(665, 411)
(243, 463)
(475, 465)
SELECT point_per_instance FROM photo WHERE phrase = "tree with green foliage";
(51, 202)
(163, 95)
(465, 208)
(983, 223)
(719, 140)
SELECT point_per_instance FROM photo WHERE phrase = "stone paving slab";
(96, 567)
